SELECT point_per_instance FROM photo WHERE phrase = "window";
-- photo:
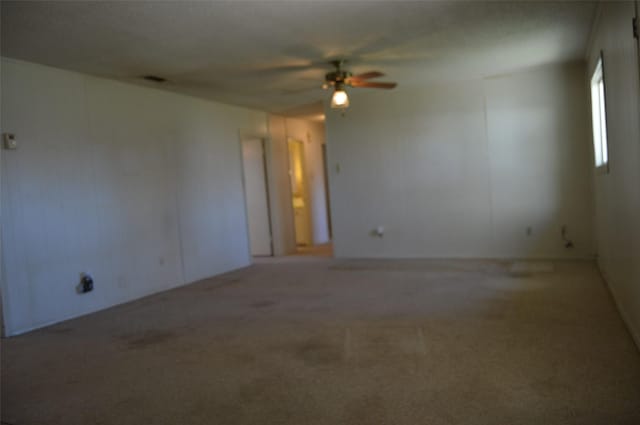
(600, 150)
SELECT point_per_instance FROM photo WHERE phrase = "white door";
(255, 189)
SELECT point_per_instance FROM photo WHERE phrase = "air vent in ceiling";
(154, 78)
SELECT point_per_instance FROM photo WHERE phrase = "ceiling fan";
(341, 78)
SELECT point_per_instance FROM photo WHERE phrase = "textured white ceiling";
(272, 55)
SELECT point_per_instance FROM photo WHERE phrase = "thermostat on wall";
(10, 141)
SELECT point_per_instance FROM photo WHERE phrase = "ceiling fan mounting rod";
(339, 75)
(338, 63)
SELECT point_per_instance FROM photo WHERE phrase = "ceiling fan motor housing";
(336, 77)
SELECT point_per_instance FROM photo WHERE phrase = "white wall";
(311, 134)
(463, 169)
(617, 193)
(539, 132)
(139, 187)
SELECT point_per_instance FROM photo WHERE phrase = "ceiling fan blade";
(372, 85)
(367, 75)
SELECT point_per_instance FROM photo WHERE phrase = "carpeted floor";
(320, 341)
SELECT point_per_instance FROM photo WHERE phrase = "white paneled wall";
(539, 134)
(139, 187)
(465, 169)
(617, 192)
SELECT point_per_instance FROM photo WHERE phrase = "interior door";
(255, 189)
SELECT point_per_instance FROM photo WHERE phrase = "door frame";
(636, 20)
(263, 145)
(325, 169)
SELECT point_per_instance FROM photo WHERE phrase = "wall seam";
(489, 167)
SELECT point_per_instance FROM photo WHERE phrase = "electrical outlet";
(10, 141)
(568, 243)
(378, 232)
(86, 283)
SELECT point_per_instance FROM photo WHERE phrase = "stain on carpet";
(259, 389)
(202, 410)
(365, 410)
(313, 352)
(244, 357)
(263, 304)
(147, 339)
(529, 268)
(226, 283)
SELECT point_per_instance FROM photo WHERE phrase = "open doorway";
(298, 187)
(256, 190)
(307, 176)
(299, 194)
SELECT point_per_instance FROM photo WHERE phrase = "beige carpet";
(319, 341)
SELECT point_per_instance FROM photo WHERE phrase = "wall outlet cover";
(10, 141)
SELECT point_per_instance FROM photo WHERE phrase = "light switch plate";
(10, 141)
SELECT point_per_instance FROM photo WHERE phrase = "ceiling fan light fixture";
(341, 78)
(339, 100)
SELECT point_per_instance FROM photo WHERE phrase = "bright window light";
(600, 149)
